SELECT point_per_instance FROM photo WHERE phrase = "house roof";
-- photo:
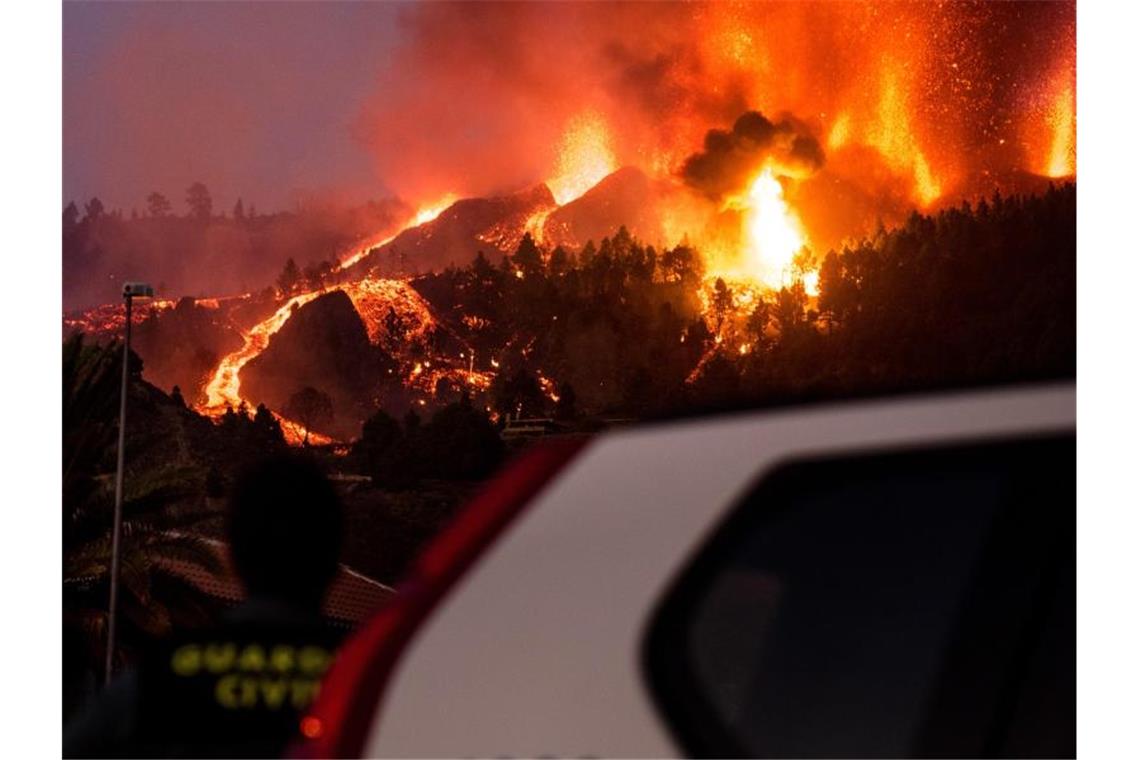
(351, 597)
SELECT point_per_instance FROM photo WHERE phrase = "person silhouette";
(240, 687)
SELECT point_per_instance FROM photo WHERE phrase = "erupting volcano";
(756, 138)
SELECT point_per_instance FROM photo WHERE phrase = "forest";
(981, 293)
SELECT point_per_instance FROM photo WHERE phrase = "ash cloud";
(733, 157)
(477, 102)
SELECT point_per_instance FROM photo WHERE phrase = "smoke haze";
(871, 110)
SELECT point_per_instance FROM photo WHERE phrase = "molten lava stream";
(224, 387)
(423, 215)
(372, 298)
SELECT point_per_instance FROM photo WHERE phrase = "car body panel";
(537, 649)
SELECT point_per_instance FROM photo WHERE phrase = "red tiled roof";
(351, 597)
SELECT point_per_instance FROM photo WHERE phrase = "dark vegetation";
(456, 234)
(974, 294)
(206, 250)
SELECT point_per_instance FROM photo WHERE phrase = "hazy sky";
(255, 99)
(356, 100)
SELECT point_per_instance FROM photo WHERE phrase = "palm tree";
(154, 595)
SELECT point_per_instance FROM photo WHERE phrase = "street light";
(131, 291)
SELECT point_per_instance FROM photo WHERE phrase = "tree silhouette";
(721, 301)
(527, 257)
(310, 407)
(157, 205)
(566, 407)
(153, 595)
(199, 200)
(70, 217)
(94, 209)
(289, 278)
(559, 261)
(791, 303)
(462, 442)
(378, 435)
(518, 396)
(266, 429)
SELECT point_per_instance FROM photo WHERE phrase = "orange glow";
(547, 386)
(110, 318)
(371, 297)
(1062, 122)
(363, 250)
(584, 157)
(423, 215)
(536, 224)
(225, 385)
(430, 211)
(311, 727)
(891, 133)
(840, 132)
(811, 283)
(773, 233)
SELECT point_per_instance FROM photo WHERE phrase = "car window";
(891, 605)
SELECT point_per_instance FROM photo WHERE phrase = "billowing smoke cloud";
(730, 159)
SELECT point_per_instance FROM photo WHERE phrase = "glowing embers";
(109, 319)
(584, 157)
(393, 311)
(892, 134)
(884, 120)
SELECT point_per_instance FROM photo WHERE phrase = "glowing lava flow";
(224, 387)
(432, 210)
(423, 215)
(364, 250)
(376, 300)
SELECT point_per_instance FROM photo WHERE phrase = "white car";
(890, 577)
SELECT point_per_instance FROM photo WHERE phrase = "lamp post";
(131, 291)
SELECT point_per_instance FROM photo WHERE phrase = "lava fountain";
(1062, 152)
(584, 157)
(773, 233)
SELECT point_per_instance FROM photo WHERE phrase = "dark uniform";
(238, 689)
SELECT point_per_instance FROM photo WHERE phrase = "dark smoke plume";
(730, 159)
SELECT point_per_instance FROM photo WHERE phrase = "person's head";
(284, 525)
